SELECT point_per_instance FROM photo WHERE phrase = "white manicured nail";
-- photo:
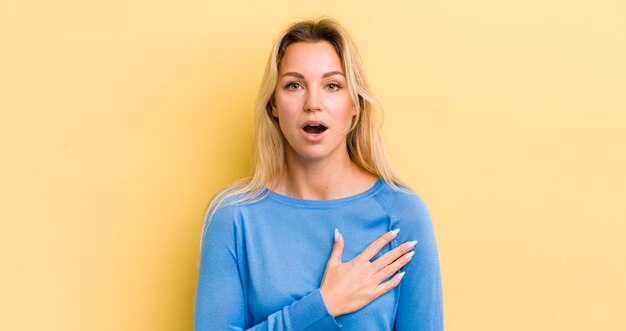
(410, 244)
(409, 255)
(336, 234)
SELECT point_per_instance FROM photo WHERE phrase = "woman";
(269, 260)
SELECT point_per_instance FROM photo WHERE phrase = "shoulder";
(227, 209)
(222, 214)
(401, 201)
(407, 211)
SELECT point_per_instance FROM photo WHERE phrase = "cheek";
(286, 97)
(286, 117)
(345, 109)
(286, 106)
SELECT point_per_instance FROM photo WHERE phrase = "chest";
(286, 255)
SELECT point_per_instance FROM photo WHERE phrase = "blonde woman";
(322, 235)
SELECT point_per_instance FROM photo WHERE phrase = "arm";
(220, 299)
(420, 306)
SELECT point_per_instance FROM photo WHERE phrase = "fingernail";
(395, 232)
(336, 234)
(401, 274)
(411, 243)
(409, 255)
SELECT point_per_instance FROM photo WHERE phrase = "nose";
(312, 101)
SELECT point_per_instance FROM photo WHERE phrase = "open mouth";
(314, 128)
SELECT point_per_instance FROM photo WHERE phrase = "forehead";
(311, 57)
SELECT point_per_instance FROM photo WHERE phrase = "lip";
(314, 137)
(313, 122)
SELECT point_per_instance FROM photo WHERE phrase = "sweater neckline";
(326, 203)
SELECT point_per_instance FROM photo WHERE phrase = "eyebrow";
(299, 75)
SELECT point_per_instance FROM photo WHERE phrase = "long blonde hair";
(365, 142)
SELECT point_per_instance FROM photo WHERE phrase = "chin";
(314, 153)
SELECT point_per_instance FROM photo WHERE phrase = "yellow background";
(119, 120)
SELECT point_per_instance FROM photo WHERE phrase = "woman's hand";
(348, 287)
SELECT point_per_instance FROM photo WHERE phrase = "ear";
(274, 110)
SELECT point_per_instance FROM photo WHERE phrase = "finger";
(389, 285)
(376, 246)
(337, 252)
(392, 255)
(390, 269)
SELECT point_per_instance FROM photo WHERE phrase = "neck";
(333, 177)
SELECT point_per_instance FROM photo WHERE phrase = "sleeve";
(420, 305)
(220, 302)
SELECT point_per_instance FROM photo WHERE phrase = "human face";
(312, 102)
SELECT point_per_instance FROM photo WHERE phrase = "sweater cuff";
(311, 314)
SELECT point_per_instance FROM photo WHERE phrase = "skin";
(316, 170)
(312, 86)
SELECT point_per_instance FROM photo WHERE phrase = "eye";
(292, 86)
(334, 86)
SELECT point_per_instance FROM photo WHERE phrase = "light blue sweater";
(262, 264)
